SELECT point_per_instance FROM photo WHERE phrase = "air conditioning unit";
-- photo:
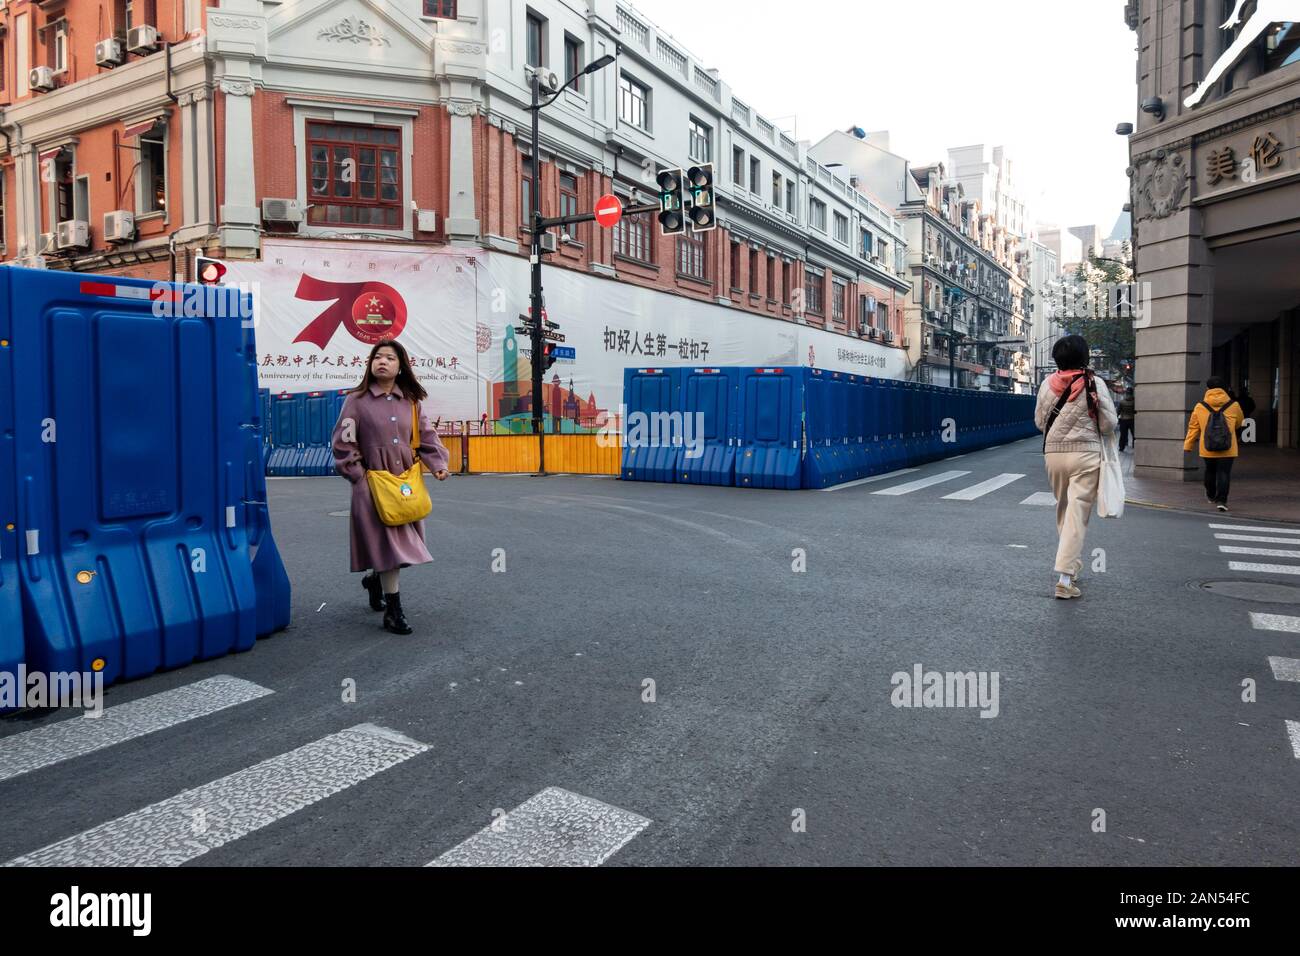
(874, 332)
(142, 39)
(41, 79)
(74, 234)
(889, 335)
(31, 262)
(282, 210)
(109, 52)
(46, 245)
(907, 343)
(119, 226)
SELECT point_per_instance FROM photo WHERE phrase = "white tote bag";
(1110, 490)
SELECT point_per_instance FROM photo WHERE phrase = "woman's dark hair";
(406, 380)
(1071, 353)
(1216, 382)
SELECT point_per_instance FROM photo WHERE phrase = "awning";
(48, 154)
(142, 126)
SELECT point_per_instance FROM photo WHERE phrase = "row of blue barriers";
(134, 530)
(299, 439)
(793, 428)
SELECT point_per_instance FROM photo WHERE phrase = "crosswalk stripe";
(920, 483)
(75, 737)
(1285, 668)
(1255, 528)
(871, 481)
(1264, 568)
(1275, 622)
(554, 828)
(983, 488)
(1256, 538)
(1293, 731)
(1042, 499)
(190, 824)
(1261, 552)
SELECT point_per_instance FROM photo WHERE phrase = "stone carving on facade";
(462, 107)
(462, 47)
(233, 23)
(237, 87)
(354, 30)
(1161, 183)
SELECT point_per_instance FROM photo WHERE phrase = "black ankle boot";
(376, 590)
(394, 619)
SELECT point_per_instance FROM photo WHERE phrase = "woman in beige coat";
(1074, 410)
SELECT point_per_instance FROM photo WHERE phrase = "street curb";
(1204, 514)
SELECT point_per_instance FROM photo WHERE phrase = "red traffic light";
(209, 271)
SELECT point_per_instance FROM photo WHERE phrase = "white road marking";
(1255, 538)
(983, 488)
(1255, 528)
(920, 483)
(870, 481)
(1043, 499)
(1275, 622)
(1264, 568)
(1293, 731)
(956, 457)
(1261, 552)
(190, 824)
(78, 736)
(554, 828)
(1285, 668)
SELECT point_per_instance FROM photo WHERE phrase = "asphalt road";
(771, 738)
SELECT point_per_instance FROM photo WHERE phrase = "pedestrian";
(1212, 430)
(1127, 413)
(375, 432)
(1074, 410)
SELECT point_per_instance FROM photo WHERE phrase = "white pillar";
(240, 215)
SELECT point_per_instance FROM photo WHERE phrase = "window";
(791, 194)
(817, 214)
(866, 312)
(776, 190)
(812, 292)
(193, 14)
(838, 294)
(81, 198)
(882, 315)
(632, 239)
(536, 40)
(148, 12)
(755, 176)
(526, 191)
(841, 228)
(753, 272)
(738, 166)
(690, 256)
(58, 47)
(771, 278)
(22, 42)
(735, 266)
(568, 194)
(700, 147)
(441, 9)
(868, 244)
(573, 61)
(356, 176)
(2, 70)
(882, 250)
(151, 177)
(786, 272)
(633, 102)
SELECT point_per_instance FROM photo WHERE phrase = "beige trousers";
(1074, 476)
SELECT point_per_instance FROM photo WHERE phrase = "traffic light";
(703, 213)
(548, 355)
(209, 271)
(672, 220)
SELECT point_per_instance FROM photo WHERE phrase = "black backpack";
(1218, 436)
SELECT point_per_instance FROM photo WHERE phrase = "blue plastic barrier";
(135, 512)
(715, 394)
(772, 404)
(11, 604)
(288, 422)
(320, 414)
(651, 397)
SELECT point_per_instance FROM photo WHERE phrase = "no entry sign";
(608, 211)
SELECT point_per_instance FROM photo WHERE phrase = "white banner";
(321, 305)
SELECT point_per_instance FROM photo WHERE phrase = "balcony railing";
(707, 83)
(633, 27)
(671, 58)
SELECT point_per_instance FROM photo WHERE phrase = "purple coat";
(381, 427)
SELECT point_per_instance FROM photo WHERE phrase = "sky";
(1043, 78)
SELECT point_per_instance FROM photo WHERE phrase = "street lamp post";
(535, 246)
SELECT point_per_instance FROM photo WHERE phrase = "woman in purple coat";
(374, 433)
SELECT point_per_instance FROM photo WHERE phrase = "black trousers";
(1125, 432)
(1218, 476)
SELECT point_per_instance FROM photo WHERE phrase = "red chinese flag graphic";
(372, 311)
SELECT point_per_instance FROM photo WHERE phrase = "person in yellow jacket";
(1201, 438)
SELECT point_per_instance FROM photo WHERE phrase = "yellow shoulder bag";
(402, 499)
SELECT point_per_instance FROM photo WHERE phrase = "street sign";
(550, 336)
(608, 211)
(565, 352)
